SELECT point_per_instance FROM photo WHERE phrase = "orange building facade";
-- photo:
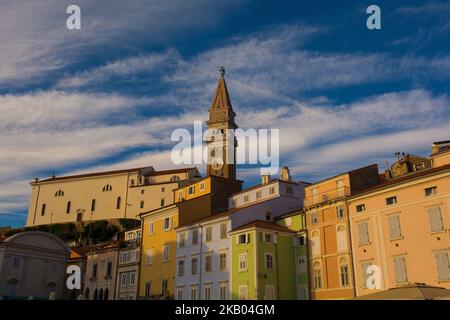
(330, 262)
(401, 230)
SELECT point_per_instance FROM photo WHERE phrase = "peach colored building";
(402, 227)
(326, 209)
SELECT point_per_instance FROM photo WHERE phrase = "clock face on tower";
(217, 164)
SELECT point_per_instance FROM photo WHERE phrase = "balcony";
(325, 197)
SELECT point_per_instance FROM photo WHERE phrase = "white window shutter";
(248, 237)
(275, 238)
(294, 241)
(435, 217)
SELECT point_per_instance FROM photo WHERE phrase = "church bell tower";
(222, 142)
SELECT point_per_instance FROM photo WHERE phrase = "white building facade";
(203, 248)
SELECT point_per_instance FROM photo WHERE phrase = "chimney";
(265, 178)
(285, 174)
(387, 172)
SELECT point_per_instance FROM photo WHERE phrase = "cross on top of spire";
(222, 72)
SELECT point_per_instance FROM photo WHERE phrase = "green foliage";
(99, 231)
(128, 224)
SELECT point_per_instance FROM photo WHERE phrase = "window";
(167, 223)
(193, 293)
(233, 202)
(340, 187)
(164, 286)
(202, 186)
(207, 293)
(180, 294)
(289, 189)
(208, 263)
(243, 292)
(181, 267)
(268, 215)
(16, 262)
(142, 191)
(360, 208)
(69, 204)
(123, 279)
(118, 203)
(268, 261)
(132, 278)
(94, 270)
(166, 251)
(109, 268)
(435, 218)
(223, 261)
(340, 212)
(180, 195)
(142, 204)
(208, 235)
(194, 237)
(182, 239)
(163, 189)
(431, 191)
(391, 200)
(317, 273)
(245, 198)
(223, 291)
(314, 218)
(365, 271)
(163, 202)
(363, 233)
(419, 166)
(315, 243)
(269, 292)
(400, 270)
(442, 265)
(43, 209)
(108, 187)
(151, 228)
(59, 193)
(341, 239)
(223, 230)
(394, 227)
(268, 237)
(242, 262)
(148, 289)
(93, 205)
(149, 257)
(271, 190)
(344, 275)
(300, 241)
(191, 190)
(243, 238)
(132, 182)
(258, 195)
(194, 265)
(175, 178)
(301, 265)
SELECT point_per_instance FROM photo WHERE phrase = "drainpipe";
(35, 207)
(276, 268)
(352, 269)
(200, 260)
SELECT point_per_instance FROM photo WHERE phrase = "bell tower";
(222, 143)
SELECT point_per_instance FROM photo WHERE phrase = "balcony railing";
(323, 197)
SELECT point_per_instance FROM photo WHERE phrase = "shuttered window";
(394, 227)
(365, 275)
(400, 270)
(435, 218)
(315, 245)
(341, 239)
(442, 265)
(363, 233)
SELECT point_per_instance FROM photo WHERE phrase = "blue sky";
(109, 95)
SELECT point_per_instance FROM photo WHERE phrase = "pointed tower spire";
(221, 108)
(221, 119)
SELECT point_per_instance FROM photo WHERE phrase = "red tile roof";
(263, 225)
(401, 179)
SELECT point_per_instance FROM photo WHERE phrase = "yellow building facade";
(103, 195)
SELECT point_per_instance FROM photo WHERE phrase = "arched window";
(105, 295)
(100, 295)
(93, 205)
(108, 187)
(344, 272)
(69, 204)
(341, 239)
(175, 178)
(119, 200)
(44, 206)
(59, 193)
(317, 273)
(109, 268)
(86, 293)
(95, 294)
